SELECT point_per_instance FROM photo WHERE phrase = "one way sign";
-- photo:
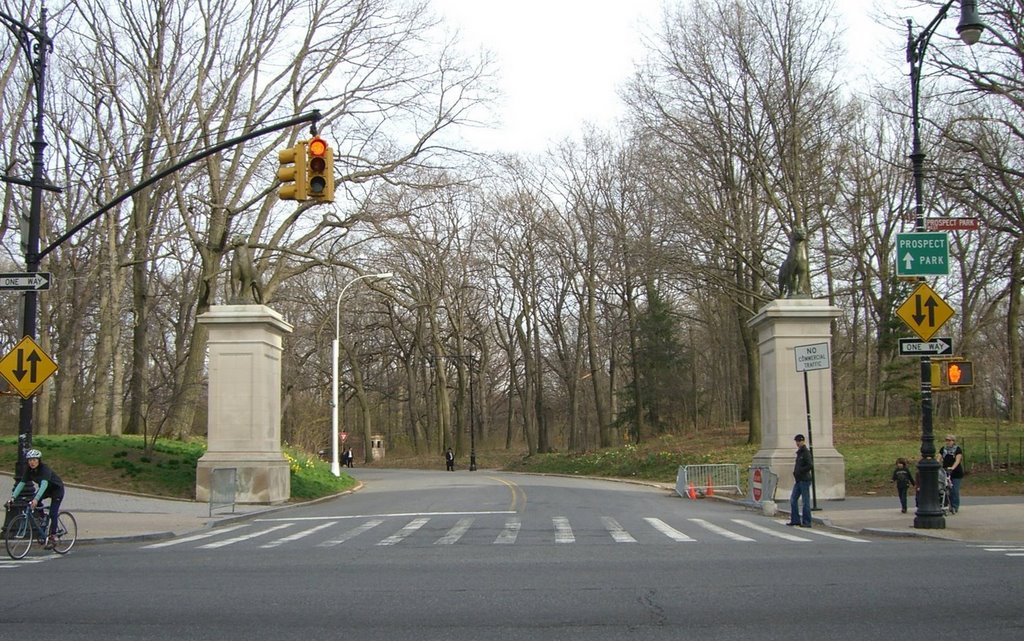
(934, 347)
(25, 281)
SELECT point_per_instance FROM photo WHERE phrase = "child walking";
(903, 479)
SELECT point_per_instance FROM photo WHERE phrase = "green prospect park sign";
(922, 254)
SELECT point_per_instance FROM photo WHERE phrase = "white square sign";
(811, 357)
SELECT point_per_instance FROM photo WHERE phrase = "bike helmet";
(33, 453)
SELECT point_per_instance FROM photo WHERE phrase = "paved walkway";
(110, 516)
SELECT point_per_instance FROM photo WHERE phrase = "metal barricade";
(763, 483)
(705, 480)
(223, 488)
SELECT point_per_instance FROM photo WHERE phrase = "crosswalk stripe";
(400, 535)
(455, 533)
(511, 531)
(770, 532)
(298, 535)
(833, 535)
(721, 531)
(194, 537)
(618, 533)
(563, 531)
(668, 530)
(354, 532)
(244, 537)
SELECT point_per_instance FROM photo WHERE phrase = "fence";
(708, 479)
(223, 488)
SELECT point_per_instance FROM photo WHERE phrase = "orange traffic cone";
(693, 492)
(710, 488)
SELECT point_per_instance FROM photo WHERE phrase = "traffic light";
(960, 373)
(292, 172)
(320, 167)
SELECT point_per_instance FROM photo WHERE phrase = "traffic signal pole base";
(929, 514)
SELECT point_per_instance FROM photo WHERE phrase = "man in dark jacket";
(801, 485)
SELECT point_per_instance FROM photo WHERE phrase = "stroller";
(945, 487)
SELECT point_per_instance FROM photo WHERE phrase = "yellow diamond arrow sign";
(26, 367)
(924, 312)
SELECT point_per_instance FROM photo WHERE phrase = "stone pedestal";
(244, 428)
(781, 326)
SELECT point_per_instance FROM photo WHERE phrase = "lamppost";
(35, 43)
(335, 463)
(929, 510)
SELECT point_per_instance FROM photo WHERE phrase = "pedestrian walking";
(449, 460)
(904, 480)
(802, 470)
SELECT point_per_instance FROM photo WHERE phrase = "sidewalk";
(981, 519)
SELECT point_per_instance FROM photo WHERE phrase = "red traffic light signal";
(320, 170)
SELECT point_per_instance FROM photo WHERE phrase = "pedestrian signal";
(960, 373)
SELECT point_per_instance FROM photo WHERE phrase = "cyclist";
(50, 486)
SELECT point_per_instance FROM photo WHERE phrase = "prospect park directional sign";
(922, 254)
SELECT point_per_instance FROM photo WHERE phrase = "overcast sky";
(561, 60)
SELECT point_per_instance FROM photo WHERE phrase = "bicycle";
(29, 526)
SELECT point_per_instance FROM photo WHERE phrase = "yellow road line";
(516, 493)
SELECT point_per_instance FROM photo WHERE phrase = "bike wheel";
(19, 537)
(67, 533)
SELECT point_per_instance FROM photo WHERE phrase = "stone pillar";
(782, 325)
(244, 424)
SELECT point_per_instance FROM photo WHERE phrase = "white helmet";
(33, 453)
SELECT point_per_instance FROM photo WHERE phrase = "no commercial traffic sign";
(812, 357)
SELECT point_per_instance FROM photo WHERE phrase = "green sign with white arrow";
(922, 254)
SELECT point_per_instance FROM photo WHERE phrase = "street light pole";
(335, 463)
(35, 43)
(929, 510)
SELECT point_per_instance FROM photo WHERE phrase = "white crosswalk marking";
(28, 560)
(356, 531)
(711, 527)
(618, 533)
(563, 531)
(511, 531)
(770, 532)
(194, 537)
(455, 533)
(400, 535)
(831, 535)
(668, 530)
(298, 535)
(244, 537)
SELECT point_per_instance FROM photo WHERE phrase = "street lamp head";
(383, 276)
(970, 26)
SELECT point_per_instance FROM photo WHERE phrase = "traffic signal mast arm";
(312, 116)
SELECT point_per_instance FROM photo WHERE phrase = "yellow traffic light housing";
(320, 170)
(292, 172)
(960, 374)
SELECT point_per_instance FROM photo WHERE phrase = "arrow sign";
(26, 367)
(922, 254)
(934, 347)
(25, 281)
(925, 312)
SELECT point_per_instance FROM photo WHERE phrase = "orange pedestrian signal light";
(320, 170)
(960, 374)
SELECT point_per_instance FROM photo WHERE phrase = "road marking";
(618, 533)
(194, 537)
(832, 535)
(563, 531)
(455, 533)
(400, 535)
(298, 535)
(770, 532)
(511, 531)
(356, 531)
(668, 530)
(721, 531)
(244, 537)
(516, 491)
(13, 563)
(388, 515)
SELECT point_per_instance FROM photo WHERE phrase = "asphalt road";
(494, 556)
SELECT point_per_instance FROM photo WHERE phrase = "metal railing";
(223, 488)
(705, 480)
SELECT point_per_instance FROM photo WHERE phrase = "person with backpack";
(49, 484)
(903, 479)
